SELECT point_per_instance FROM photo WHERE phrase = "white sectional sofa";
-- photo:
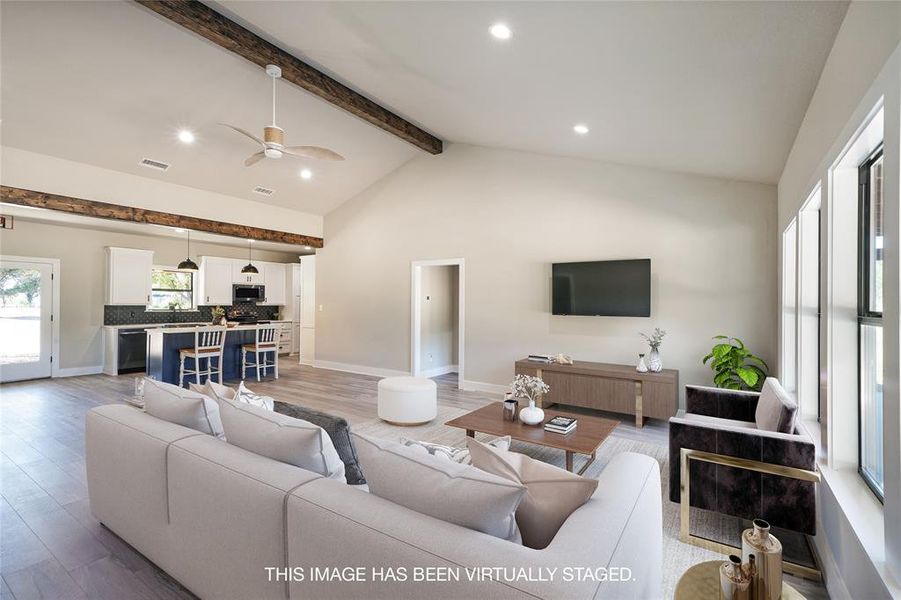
(215, 517)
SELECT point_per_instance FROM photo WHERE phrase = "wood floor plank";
(108, 579)
(47, 580)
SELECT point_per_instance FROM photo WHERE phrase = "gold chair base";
(685, 535)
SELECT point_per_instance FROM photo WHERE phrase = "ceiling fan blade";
(254, 158)
(312, 152)
(242, 132)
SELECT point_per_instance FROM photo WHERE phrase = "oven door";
(248, 293)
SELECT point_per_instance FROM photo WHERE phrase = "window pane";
(876, 237)
(871, 405)
(20, 316)
(170, 300)
(171, 280)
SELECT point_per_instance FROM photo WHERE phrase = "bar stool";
(208, 343)
(266, 341)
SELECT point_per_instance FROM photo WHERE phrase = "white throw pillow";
(213, 390)
(182, 407)
(449, 491)
(245, 395)
(452, 453)
(242, 394)
(776, 411)
(281, 438)
(552, 493)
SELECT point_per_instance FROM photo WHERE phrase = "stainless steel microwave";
(242, 292)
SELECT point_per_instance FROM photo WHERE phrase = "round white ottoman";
(408, 400)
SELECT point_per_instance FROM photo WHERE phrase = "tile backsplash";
(139, 315)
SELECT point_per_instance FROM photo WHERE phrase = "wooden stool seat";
(201, 352)
(253, 347)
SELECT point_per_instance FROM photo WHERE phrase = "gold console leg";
(687, 455)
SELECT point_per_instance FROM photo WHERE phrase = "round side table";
(702, 582)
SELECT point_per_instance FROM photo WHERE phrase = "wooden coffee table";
(586, 438)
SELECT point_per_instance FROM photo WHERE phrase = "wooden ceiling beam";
(222, 31)
(118, 212)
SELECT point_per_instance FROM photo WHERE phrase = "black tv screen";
(609, 288)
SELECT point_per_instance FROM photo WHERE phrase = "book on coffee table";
(560, 425)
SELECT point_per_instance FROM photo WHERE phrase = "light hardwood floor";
(50, 544)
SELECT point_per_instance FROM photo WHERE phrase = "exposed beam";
(118, 212)
(222, 31)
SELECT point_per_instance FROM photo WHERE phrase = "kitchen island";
(163, 344)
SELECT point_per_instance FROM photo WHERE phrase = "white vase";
(642, 366)
(531, 415)
(655, 365)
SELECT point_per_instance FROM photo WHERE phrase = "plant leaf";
(748, 376)
(722, 350)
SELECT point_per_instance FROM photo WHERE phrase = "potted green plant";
(218, 315)
(734, 366)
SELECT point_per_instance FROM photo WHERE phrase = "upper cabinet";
(215, 281)
(128, 276)
(248, 278)
(274, 275)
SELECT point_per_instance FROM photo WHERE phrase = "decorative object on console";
(655, 364)
(563, 359)
(734, 582)
(531, 388)
(642, 366)
(510, 406)
(766, 550)
(734, 366)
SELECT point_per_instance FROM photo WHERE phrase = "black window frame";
(865, 316)
(192, 289)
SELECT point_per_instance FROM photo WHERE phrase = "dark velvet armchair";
(723, 422)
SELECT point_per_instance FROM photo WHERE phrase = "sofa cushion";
(452, 453)
(448, 491)
(281, 438)
(337, 429)
(776, 411)
(182, 407)
(552, 494)
(213, 390)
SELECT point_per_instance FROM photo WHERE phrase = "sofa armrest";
(717, 402)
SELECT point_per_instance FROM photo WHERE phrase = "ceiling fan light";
(188, 265)
(249, 268)
(272, 153)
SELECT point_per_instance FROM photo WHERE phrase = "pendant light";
(249, 268)
(188, 264)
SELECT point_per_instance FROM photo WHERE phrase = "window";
(869, 319)
(171, 289)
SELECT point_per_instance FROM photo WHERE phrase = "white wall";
(857, 535)
(438, 342)
(20, 168)
(83, 270)
(510, 215)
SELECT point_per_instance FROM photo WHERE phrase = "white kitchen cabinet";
(308, 291)
(128, 276)
(215, 281)
(248, 278)
(274, 280)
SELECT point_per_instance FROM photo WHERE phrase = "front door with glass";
(26, 301)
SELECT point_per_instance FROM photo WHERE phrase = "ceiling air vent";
(263, 191)
(154, 164)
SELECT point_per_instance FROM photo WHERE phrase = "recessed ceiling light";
(500, 31)
(186, 136)
(306, 174)
(580, 129)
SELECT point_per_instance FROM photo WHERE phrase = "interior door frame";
(416, 312)
(54, 304)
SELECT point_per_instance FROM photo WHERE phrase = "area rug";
(677, 557)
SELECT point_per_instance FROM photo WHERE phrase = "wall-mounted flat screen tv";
(608, 288)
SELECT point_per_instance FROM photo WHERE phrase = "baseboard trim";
(481, 386)
(358, 369)
(78, 371)
(437, 372)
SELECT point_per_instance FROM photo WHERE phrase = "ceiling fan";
(273, 141)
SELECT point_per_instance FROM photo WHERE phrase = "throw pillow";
(452, 492)
(776, 411)
(245, 395)
(213, 390)
(281, 438)
(552, 494)
(337, 429)
(452, 453)
(182, 407)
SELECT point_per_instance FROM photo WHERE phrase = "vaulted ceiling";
(711, 88)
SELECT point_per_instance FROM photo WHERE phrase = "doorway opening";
(29, 297)
(436, 348)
